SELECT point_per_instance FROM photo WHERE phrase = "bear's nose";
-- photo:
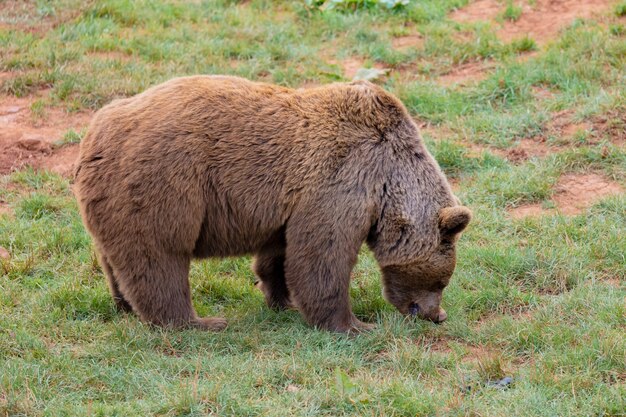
(442, 316)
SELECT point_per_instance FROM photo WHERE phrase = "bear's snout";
(438, 316)
(442, 316)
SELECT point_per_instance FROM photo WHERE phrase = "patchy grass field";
(526, 116)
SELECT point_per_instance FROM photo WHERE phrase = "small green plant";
(348, 389)
(71, 136)
(617, 30)
(393, 4)
(65, 88)
(37, 109)
(620, 9)
(511, 12)
(354, 4)
(524, 44)
(490, 368)
(21, 85)
(37, 206)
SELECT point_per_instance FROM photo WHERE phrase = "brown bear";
(216, 166)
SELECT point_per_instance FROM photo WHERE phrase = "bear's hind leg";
(118, 297)
(269, 268)
(158, 290)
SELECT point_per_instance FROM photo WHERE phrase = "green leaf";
(344, 385)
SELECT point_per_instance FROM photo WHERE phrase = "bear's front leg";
(329, 310)
(319, 258)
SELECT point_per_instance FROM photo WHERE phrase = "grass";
(511, 12)
(540, 299)
(71, 137)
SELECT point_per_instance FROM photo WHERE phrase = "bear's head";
(416, 218)
(415, 288)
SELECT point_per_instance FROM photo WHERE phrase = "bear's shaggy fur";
(215, 166)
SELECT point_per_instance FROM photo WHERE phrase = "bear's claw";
(210, 323)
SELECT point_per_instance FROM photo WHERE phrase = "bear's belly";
(227, 236)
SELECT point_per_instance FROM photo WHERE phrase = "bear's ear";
(453, 220)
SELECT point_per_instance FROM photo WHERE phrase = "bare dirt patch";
(574, 193)
(26, 16)
(470, 353)
(542, 93)
(564, 130)
(529, 210)
(611, 125)
(61, 161)
(527, 56)
(407, 42)
(29, 139)
(530, 148)
(4, 76)
(4, 254)
(541, 21)
(570, 130)
(350, 66)
(480, 10)
(525, 149)
(563, 125)
(471, 72)
(614, 282)
(111, 56)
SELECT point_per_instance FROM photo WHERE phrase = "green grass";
(70, 137)
(511, 12)
(540, 299)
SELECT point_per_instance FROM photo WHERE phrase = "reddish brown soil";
(472, 353)
(4, 254)
(615, 282)
(529, 210)
(351, 66)
(529, 148)
(292, 388)
(111, 56)
(26, 139)
(562, 125)
(524, 149)
(611, 125)
(25, 15)
(471, 72)
(542, 93)
(541, 21)
(608, 126)
(479, 10)
(574, 193)
(406, 42)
